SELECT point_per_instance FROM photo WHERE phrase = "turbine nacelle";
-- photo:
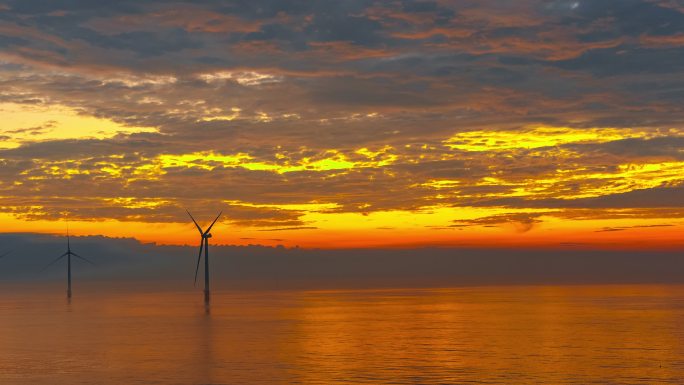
(204, 233)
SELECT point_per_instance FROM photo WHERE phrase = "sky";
(346, 124)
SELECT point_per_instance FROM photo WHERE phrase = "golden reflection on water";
(490, 335)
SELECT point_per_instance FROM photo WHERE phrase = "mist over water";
(627, 334)
(125, 262)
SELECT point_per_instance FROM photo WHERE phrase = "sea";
(575, 334)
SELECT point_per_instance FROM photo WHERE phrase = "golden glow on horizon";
(391, 229)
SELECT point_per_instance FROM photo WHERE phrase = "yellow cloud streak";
(312, 206)
(537, 137)
(625, 178)
(155, 168)
(22, 123)
(329, 160)
(136, 203)
(567, 183)
(109, 169)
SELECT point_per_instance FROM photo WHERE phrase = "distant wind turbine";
(68, 254)
(204, 244)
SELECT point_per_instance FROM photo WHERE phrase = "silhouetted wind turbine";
(68, 254)
(204, 244)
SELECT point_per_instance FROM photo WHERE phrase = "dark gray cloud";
(627, 60)
(523, 222)
(627, 18)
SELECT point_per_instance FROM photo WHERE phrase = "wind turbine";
(204, 244)
(68, 254)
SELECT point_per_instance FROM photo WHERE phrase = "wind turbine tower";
(204, 244)
(68, 254)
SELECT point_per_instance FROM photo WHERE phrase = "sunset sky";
(334, 124)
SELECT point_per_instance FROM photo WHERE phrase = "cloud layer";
(283, 112)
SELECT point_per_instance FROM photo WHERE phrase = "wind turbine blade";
(55, 261)
(3, 255)
(195, 222)
(79, 257)
(199, 257)
(212, 223)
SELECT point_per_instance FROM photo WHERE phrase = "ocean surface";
(469, 335)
